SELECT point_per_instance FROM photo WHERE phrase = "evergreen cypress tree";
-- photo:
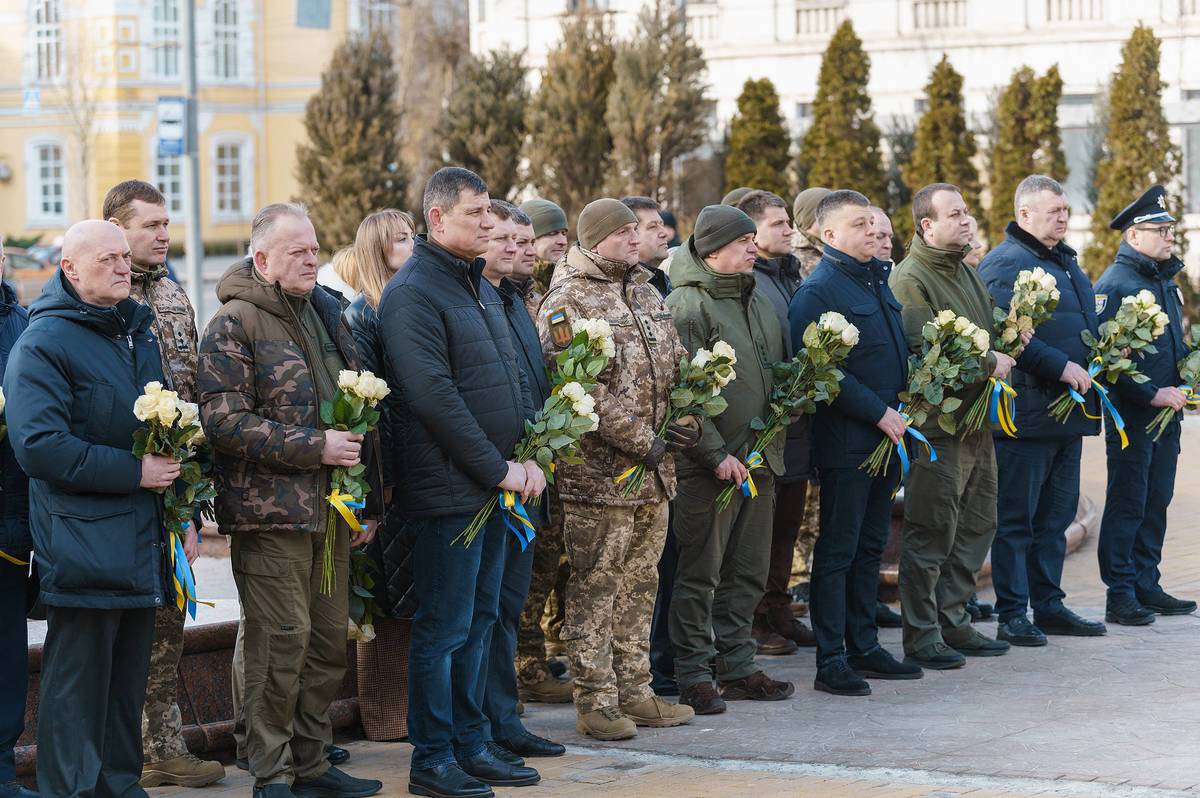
(483, 127)
(757, 153)
(569, 144)
(944, 148)
(350, 165)
(657, 109)
(900, 136)
(842, 148)
(1138, 151)
(1025, 140)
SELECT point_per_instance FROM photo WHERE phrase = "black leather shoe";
(977, 645)
(1164, 603)
(886, 617)
(880, 664)
(557, 668)
(1128, 612)
(490, 770)
(531, 745)
(838, 678)
(446, 781)
(936, 657)
(1065, 622)
(1019, 631)
(335, 755)
(268, 791)
(504, 755)
(334, 783)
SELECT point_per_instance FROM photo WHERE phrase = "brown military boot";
(703, 698)
(548, 691)
(183, 771)
(786, 626)
(771, 643)
(758, 686)
(605, 723)
(656, 713)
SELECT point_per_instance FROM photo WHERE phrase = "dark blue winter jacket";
(14, 488)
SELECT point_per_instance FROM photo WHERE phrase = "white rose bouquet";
(173, 430)
(1137, 322)
(351, 410)
(697, 395)
(811, 376)
(553, 435)
(953, 356)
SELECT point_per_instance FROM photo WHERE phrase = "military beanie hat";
(717, 225)
(545, 215)
(600, 219)
(804, 209)
(735, 196)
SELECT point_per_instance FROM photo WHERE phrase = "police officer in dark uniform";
(1141, 477)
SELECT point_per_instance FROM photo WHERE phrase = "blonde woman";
(383, 243)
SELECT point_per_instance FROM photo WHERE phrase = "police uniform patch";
(1101, 302)
(1179, 294)
(560, 328)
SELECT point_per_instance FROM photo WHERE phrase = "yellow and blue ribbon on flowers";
(182, 578)
(626, 475)
(345, 505)
(1105, 402)
(902, 449)
(754, 461)
(522, 528)
(1002, 407)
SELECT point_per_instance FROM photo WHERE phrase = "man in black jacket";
(652, 240)
(450, 359)
(500, 697)
(71, 383)
(15, 545)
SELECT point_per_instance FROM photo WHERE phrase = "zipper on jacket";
(299, 329)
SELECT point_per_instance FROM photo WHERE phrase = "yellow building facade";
(80, 82)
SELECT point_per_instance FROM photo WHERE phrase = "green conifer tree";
(842, 148)
(483, 127)
(757, 153)
(1138, 151)
(569, 145)
(350, 165)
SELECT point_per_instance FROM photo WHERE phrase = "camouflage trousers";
(806, 540)
(162, 724)
(531, 637)
(614, 553)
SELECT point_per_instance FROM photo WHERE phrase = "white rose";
(189, 414)
(961, 325)
(153, 388)
(982, 340)
(1145, 298)
(1055, 294)
(145, 408)
(347, 380)
(970, 329)
(166, 407)
(832, 321)
(722, 349)
(702, 358)
(1009, 335)
(595, 421)
(945, 317)
(585, 406)
(850, 335)
(573, 391)
(608, 348)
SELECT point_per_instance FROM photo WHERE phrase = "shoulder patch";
(1101, 302)
(560, 327)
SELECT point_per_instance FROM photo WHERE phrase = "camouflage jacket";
(543, 275)
(808, 251)
(531, 296)
(632, 397)
(259, 407)
(174, 326)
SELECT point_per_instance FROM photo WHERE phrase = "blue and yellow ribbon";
(345, 505)
(753, 462)
(902, 449)
(182, 578)
(523, 528)
(1105, 402)
(626, 475)
(1002, 408)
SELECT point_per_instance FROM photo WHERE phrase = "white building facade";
(985, 40)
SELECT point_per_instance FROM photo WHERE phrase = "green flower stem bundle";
(1189, 373)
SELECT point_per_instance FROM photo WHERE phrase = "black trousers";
(94, 669)
(662, 653)
(14, 664)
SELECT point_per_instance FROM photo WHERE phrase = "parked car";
(26, 273)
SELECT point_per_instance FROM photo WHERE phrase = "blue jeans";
(458, 589)
(1037, 500)
(14, 663)
(500, 684)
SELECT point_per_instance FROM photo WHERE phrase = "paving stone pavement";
(1111, 716)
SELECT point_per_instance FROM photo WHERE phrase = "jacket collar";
(691, 270)
(1146, 266)
(588, 264)
(59, 299)
(859, 270)
(1060, 251)
(8, 299)
(948, 261)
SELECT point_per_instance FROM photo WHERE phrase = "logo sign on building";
(32, 99)
(172, 116)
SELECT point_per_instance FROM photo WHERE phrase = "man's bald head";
(96, 262)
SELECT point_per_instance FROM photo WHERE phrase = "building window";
(575, 6)
(1079, 145)
(225, 39)
(932, 14)
(1189, 8)
(702, 21)
(168, 176)
(482, 16)
(46, 30)
(1191, 171)
(818, 17)
(1074, 10)
(47, 188)
(165, 41)
(368, 16)
(229, 180)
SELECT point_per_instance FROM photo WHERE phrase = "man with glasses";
(1141, 477)
(1039, 471)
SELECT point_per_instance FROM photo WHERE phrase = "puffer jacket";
(260, 409)
(633, 392)
(14, 487)
(458, 397)
(71, 383)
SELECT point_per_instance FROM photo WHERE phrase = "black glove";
(682, 436)
(658, 450)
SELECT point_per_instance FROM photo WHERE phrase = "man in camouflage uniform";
(270, 356)
(614, 541)
(141, 211)
(550, 239)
